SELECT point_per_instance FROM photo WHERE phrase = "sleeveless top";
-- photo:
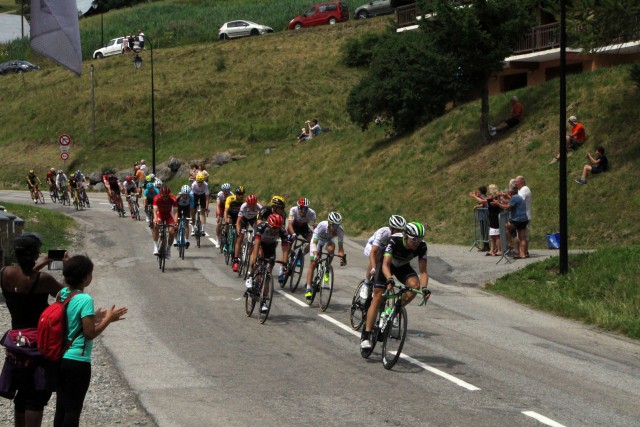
(25, 309)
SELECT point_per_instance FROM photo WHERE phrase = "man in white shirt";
(525, 193)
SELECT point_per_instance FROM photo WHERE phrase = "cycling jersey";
(165, 206)
(249, 212)
(401, 254)
(380, 239)
(198, 188)
(267, 235)
(323, 234)
(233, 205)
(51, 177)
(298, 219)
(150, 193)
(32, 180)
(129, 186)
(185, 200)
(73, 183)
(61, 180)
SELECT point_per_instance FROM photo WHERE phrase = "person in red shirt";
(575, 139)
(165, 209)
(51, 178)
(516, 116)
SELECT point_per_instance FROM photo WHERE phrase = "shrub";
(634, 73)
(358, 51)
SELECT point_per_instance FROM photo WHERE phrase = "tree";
(592, 24)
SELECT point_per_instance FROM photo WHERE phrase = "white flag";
(55, 32)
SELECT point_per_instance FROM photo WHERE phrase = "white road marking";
(292, 298)
(542, 419)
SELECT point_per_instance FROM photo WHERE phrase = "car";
(113, 47)
(321, 14)
(374, 8)
(17, 66)
(233, 29)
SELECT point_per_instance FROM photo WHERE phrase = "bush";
(634, 73)
(358, 51)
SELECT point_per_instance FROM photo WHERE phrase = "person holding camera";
(314, 130)
(600, 164)
(26, 290)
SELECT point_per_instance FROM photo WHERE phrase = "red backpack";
(52, 329)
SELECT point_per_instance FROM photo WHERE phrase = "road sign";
(64, 156)
(64, 139)
(64, 148)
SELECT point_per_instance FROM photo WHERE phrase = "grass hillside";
(252, 94)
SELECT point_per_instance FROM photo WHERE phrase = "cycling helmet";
(275, 220)
(185, 189)
(251, 200)
(414, 229)
(303, 202)
(78, 172)
(225, 187)
(239, 189)
(165, 190)
(200, 177)
(153, 176)
(30, 170)
(335, 218)
(148, 178)
(128, 178)
(278, 202)
(396, 221)
(53, 169)
(158, 182)
(60, 171)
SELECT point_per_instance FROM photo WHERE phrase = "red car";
(321, 14)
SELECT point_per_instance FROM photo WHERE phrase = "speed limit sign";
(64, 139)
(64, 155)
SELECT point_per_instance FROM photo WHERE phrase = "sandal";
(488, 254)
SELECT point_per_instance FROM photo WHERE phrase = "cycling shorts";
(184, 211)
(115, 189)
(233, 218)
(318, 246)
(167, 219)
(402, 273)
(200, 200)
(302, 230)
(244, 222)
(268, 249)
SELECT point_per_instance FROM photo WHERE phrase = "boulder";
(182, 172)
(221, 158)
(174, 164)
(163, 172)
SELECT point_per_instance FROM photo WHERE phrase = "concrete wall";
(10, 28)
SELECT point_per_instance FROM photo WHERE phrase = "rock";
(182, 172)
(221, 158)
(94, 178)
(163, 172)
(98, 187)
(174, 164)
(237, 157)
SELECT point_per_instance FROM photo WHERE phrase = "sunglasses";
(415, 239)
(240, 194)
(303, 208)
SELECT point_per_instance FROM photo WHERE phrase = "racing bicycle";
(322, 283)
(163, 245)
(261, 292)
(295, 263)
(181, 238)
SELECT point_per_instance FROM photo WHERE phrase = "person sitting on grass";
(516, 116)
(600, 164)
(575, 139)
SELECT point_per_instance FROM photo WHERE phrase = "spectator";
(525, 193)
(482, 216)
(313, 130)
(575, 139)
(303, 136)
(125, 44)
(131, 41)
(518, 221)
(85, 324)
(143, 167)
(141, 40)
(26, 291)
(493, 204)
(204, 172)
(193, 171)
(516, 116)
(600, 164)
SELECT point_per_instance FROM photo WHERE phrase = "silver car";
(374, 8)
(233, 29)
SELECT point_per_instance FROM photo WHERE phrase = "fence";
(10, 226)
(480, 228)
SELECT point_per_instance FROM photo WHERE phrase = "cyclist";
(278, 207)
(323, 236)
(400, 250)
(266, 241)
(165, 209)
(232, 208)
(73, 186)
(61, 180)
(200, 191)
(82, 185)
(114, 187)
(51, 179)
(302, 220)
(150, 193)
(221, 198)
(185, 206)
(246, 216)
(377, 244)
(130, 190)
(32, 182)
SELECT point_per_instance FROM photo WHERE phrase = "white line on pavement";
(292, 298)
(542, 419)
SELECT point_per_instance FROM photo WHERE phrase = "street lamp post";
(94, 5)
(93, 106)
(137, 63)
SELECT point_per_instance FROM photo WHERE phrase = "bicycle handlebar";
(426, 293)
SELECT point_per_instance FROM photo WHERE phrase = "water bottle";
(364, 291)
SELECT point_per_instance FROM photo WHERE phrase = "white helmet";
(335, 218)
(397, 222)
(158, 183)
(185, 189)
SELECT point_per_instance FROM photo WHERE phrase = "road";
(471, 358)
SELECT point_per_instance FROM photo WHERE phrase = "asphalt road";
(471, 358)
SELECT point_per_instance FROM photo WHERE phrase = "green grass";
(601, 288)
(54, 227)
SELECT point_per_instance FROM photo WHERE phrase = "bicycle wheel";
(53, 195)
(266, 297)
(85, 199)
(197, 227)
(315, 284)
(40, 197)
(243, 257)
(393, 338)
(182, 242)
(228, 248)
(365, 353)
(326, 289)
(296, 271)
(76, 202)
(162, 249)
(247, 261)
(358, 310)
(249, 297)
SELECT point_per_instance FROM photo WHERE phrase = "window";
(331, 7)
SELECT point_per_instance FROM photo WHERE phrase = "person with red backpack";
(84, 324)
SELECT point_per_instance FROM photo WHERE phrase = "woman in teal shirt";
(84, 324)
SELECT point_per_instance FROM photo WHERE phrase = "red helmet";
(303, 202)
(128, 178)
(251, 199)
(165, 191)
(275, 220)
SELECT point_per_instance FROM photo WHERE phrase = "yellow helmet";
(278, 201)
(200, 177)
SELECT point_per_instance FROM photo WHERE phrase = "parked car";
(113, 47)
(321, 14)
(17, 67)
(233, 29)
(374, 8)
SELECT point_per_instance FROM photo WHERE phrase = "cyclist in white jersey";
(185, 206)
(200, 191)
(377, 243)
(61, 180)
(302, 220)
(246, 216)
(323, 236)
(130, 189)
(221, 198)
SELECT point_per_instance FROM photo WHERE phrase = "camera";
(55, 258)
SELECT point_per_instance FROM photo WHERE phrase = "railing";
(407, 15)
(540, 38)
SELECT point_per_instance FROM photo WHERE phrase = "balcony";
(540, 38)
